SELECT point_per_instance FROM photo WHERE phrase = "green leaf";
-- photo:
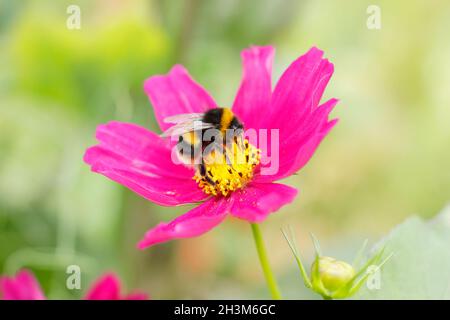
(289, 236)
(316, 245)
(420, 265)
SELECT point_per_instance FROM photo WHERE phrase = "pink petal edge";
(258, 200)
(141, 160)
(191, 224)
(299, 89)
(176, 93)
(22, 286)
(108, 287)
(255, 91)
(295, 112)
(296, 151)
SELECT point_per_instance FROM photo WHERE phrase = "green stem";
(270, 279)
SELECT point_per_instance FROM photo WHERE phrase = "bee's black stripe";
(213, 116)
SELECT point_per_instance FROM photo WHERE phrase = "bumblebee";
(215, 153)
(195, 135)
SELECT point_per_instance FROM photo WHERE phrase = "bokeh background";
(387, 159)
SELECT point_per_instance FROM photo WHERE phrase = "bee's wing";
(185, 127)
(186, 117)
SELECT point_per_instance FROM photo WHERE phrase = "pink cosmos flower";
(141, 160)
(108, 287)
(24, 286)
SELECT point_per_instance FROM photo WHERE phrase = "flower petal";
(23, 286)
(258, 200)
(299, 90)
(295, 113)
(141, 160)
(106, 287)
(191, 224)
(296, 150)
(256, 88)
(176, 93)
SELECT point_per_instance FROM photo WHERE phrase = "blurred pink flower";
(24, 286)
(141, 160)
(107, 287)
(21, 287)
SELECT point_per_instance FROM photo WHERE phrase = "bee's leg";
(205, 174)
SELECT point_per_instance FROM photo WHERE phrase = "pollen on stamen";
(223, 177)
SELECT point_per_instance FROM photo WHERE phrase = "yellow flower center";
(228, 171)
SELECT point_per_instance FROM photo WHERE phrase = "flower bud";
(331, 278)
(333, 274)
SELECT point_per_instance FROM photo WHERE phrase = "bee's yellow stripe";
(227, 116)
(191, 138)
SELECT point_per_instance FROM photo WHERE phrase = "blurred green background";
(388, 157)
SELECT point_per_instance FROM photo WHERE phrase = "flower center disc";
(229, 170)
